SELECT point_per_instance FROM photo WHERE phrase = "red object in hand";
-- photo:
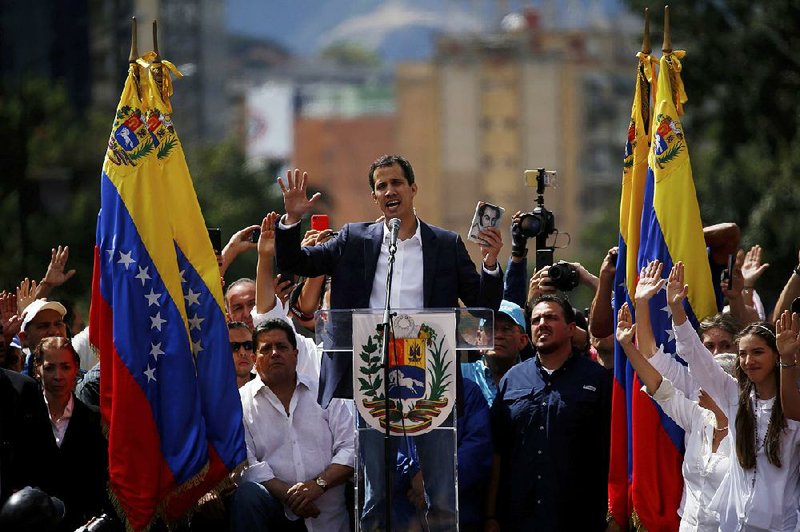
(319, 222)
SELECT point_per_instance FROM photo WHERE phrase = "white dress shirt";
(407, 289)
(309, 358)
(703, 470)
(299, 446)
(763, 498)
(60, 425)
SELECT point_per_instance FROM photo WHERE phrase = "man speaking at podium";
(357, 259)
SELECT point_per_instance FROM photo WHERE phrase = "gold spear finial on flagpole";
(667, 46)
(134, 53)
(158, 70)
(134, 47)
(646, 49)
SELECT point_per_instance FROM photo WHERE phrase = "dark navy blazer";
(351, 259)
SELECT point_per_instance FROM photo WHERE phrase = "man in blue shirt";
(551, 430)
(509, 339)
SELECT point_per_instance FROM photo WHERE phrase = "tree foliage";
(742, 78)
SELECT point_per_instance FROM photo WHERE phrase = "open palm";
(626, 330)
(676, 289)
(650, 281)
(786, 329)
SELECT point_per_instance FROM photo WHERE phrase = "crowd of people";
(533, 412)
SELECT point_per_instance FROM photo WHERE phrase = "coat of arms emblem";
(422, 362)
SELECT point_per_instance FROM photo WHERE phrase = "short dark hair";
(569, 312)
(388, 160)
(238, 325)
(271, 325)
(483, 207)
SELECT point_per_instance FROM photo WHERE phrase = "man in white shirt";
(299, 454)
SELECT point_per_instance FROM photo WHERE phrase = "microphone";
(394, 229)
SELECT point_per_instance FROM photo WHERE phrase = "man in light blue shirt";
(509, 339)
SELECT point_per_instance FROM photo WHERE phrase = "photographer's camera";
(564, 276)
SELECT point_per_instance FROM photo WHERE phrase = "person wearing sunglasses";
(242, 346)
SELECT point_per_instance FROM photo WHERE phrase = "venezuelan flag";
(671, 231)
(168, 388)
(631, 201)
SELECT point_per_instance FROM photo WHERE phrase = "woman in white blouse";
(761, 490)
(707, 453)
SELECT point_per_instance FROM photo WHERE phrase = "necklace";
(763, 443)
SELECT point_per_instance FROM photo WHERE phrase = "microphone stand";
(389, 461)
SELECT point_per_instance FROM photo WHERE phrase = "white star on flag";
(151, 373)
(192, 298)
(156, 321)
(667, 310)
(670, 334)
(195, 322)
(125, 259)
(110, 254)
(152, 298)
(155, 350)
(196, 347)
(183, 274)
(142, 275)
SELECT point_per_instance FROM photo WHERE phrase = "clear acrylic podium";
(423, 359)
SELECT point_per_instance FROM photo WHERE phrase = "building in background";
(489, 106)
(341, 118)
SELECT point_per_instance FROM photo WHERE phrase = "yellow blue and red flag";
(670, 230)
(167, 383)
(630, 215)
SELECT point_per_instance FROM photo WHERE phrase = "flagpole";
(134, 54)
(666, 47)
(645, 84)
(158, 74)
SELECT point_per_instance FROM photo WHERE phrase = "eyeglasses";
(248, 345)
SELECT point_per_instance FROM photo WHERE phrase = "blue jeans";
(434, 452)
(254, 508)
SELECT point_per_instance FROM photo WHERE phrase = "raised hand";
(314, 237)
(650, 282)
(10, 320)
(493, 243)
(239, 243)
(26, 294)
(786, 331)
(609, 266)
(676, 289)
(540, 284)
(266, 241)
(737, 283)
(626, 329)
(55, 275)
(753, 268)
(295, 197)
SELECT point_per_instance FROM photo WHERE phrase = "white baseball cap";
(39, 305)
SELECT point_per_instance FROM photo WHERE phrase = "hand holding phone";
(254, 235)
(215, 235)
(727, 275)
(320, 222)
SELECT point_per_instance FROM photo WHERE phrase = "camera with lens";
(540, 223)
(563, 276)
